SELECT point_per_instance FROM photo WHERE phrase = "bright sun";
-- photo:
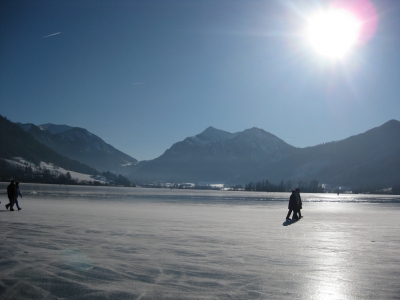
(333, 33)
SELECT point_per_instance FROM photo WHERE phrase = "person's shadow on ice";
(289, 222)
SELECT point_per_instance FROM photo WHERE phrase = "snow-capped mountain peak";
(54, 129)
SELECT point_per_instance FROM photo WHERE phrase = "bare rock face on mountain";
(81, 145)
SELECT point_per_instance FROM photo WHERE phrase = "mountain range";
(214, 156)
(81, 145)
(371, 158)
(15, 142)
(368, 159)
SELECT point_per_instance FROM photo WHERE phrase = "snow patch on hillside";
(22, 163)
(54, 129)
(74, 175)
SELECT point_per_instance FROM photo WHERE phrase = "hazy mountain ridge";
(16, 142)
(79, 144)
(218, 157)
(211, 135)
(369, 158)
(251, 143)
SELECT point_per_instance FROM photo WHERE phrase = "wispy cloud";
(53, 34)
(138, 83)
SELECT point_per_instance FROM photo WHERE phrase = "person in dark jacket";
(11, 195)
(292, 206)
(17, 193)
(299, 203)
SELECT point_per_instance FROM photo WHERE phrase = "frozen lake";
(131, 243)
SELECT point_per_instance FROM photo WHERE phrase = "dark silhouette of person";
(292, 206)
(17, 193)
(11, 191)
(299, 203)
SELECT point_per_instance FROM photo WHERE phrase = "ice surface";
(104, 243)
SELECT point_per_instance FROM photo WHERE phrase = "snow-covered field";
(21, 163)
(118, 243)
(74, 175)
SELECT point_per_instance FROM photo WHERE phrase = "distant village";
(321, 188)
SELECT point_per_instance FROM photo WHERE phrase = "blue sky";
(143, 75)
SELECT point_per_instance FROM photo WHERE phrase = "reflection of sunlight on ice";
(332, 280)
(76, 259)
(332, 290)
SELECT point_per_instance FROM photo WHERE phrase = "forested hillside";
(15, 142)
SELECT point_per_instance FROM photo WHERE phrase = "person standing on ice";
(11, 195)
(292, 206)
(17, 192)
(299, 203)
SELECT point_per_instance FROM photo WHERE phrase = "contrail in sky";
(50, 35)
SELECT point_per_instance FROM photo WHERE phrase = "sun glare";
(333, 33)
